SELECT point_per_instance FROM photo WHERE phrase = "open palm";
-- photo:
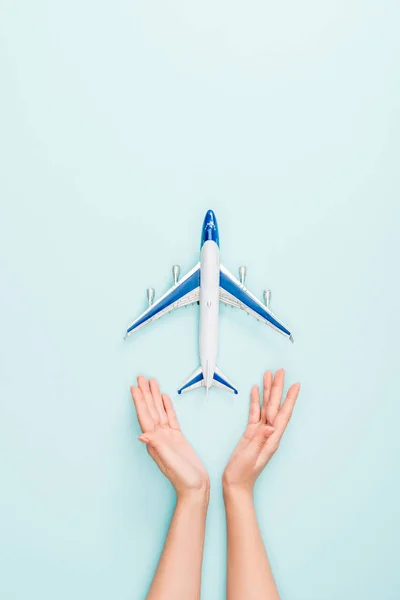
(166, 443)
(263, 433)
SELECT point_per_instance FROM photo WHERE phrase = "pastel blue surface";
(121, 124)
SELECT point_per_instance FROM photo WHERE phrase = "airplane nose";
(210, 228)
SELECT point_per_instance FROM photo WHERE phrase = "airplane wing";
(185, 291)
(234, 293)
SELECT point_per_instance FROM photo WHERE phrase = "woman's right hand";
(166, 443)
(262, 436)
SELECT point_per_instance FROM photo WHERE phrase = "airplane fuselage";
(209, 309)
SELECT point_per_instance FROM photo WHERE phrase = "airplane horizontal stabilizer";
(221, 381)
(195, 380)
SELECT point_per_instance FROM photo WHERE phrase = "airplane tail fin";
(197, 380)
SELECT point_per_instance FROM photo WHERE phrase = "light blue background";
(121, 123)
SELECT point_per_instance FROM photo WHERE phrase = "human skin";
(249, 573)
(178, 574)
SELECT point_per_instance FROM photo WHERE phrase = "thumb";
(261, 436)
(147, 438)
(268, 430)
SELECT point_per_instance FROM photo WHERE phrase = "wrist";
(237, 492)
(195, 496)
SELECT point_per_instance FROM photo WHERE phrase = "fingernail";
(144, 439)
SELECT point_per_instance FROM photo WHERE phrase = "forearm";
(178, 573)
(249, 573)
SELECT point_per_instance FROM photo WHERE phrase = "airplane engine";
(150, 295)
(267, 297)
(175, 273)
(242, 274)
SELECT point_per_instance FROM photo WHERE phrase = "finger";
(266, 395)
(142, 411)
(254, 410)
(285, 412)
(267, 431)
(263, 434)
(145, 389)
(171, 414)
(258, 441)
(158, 403)
(275, 396)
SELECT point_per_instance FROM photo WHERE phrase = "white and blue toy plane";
(208, 284)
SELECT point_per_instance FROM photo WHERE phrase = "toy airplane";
(208, 283)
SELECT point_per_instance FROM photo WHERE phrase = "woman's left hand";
(266, 425)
